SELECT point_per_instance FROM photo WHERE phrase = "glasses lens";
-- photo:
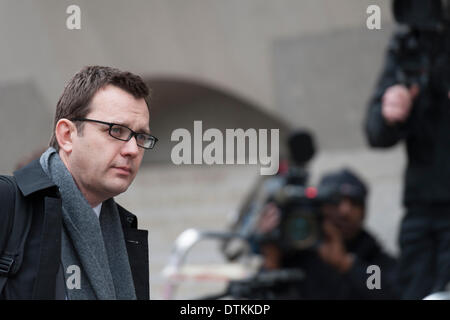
(123, 133)
(120, 132)
(145, 141)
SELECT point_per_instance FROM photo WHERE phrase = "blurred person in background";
(336, 267)
(411, 104)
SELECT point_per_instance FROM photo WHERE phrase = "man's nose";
(344, 207)
(130, 148)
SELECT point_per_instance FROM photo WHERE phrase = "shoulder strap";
(11, 250)
(7, 199)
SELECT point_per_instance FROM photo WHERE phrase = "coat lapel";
(45, 285)
(137, 247)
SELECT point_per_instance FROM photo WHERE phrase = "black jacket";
(426, 132)
(40, 275)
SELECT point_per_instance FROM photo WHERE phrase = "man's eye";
(116, 130)
(141, 138)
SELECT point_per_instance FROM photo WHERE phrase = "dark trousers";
(424, 265)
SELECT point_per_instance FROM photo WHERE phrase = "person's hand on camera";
(397, 103)
(332, 250)
(270, 218)
(268, 221)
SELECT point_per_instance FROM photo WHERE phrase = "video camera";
(299, 226)
(422, 49)
(430, 14)
(300, 218)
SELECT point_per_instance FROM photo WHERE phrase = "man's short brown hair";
(78, 93)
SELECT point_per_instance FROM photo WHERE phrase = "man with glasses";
(77, 242)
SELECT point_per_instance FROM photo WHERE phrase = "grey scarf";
(96, 246)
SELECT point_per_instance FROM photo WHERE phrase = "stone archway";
(177, 103)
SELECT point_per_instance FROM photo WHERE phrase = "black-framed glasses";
(123, 133)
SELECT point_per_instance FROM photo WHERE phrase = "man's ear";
(65, 130)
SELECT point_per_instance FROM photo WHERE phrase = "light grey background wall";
(301, 61)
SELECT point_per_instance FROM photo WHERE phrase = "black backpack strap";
(18, 225)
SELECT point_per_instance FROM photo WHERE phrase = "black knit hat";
(341, 183)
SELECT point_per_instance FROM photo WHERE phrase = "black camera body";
(422, 49)
(299, 227)
(300, 223)
(301, 220)
(429, 14)
(288, 191)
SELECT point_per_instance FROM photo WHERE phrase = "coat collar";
(32, 178)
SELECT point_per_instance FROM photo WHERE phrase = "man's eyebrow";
(140, 130)
(146, 130)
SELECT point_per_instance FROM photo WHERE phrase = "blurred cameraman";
(336, 268)
(411, 103)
